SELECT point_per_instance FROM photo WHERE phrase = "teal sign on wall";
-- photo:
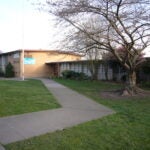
(29, 61)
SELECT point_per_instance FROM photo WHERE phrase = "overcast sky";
(23, 26)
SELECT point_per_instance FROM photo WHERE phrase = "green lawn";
(18, 97)
(128, 129)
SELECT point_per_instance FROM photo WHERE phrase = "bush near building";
(69, 74)
(9, 70)
(1, 73)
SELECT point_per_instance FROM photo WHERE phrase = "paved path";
(2, 148)
(76, 109)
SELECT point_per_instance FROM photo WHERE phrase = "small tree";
(9, 70)
(93, 57)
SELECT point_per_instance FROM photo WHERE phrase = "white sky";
(24, 27)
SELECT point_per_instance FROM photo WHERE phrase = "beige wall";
(40, 69)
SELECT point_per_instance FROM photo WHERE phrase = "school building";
(51, 63)
(33, 63)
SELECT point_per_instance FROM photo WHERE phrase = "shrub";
(69, 74)
(1, 73)
(146, 84)
(9, 70)
(83, 76)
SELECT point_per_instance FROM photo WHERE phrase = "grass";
(128, 129)
(18, 97)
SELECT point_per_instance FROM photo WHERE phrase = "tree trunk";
(94, 73)
(131, 86)
(106, 68)
(132, 79)
(93, 67)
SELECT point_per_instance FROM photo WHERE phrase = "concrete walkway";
(76, 109)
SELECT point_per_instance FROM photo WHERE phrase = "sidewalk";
(76, 109)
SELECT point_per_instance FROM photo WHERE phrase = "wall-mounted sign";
(29, 61)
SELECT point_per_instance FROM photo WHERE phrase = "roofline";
(71, 61)
(86, 60)
(5, 53)
(42, 50)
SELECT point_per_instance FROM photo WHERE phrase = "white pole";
(23, 40)
(23, 64)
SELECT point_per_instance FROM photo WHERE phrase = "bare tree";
(77, 41)
(80, 42)
(93, 56)
(126, 24)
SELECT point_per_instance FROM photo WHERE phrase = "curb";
(1, 147)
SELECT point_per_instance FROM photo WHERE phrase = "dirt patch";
(117, 94)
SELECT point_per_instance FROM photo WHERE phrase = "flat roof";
(42, 50)
(71, 61)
